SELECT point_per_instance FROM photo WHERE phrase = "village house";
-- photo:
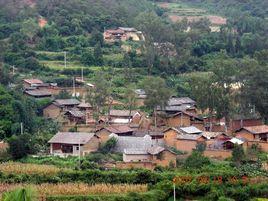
(180, 119)
(156, 155)
(120, 130)
(183, 138)
(38, 94)
(239, 122)
(221, 147)
(73, 144)
(132, 142)
(58, 107)
(175, 105)
(32, 83)
(124, 117)
(75, 117)
(122, 34)
(253, 133)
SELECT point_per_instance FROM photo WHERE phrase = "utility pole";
(74, 87)
(82, 73)
(174, 191)
(21, 128)
(79, 152)
(65, 59)
(13, 70)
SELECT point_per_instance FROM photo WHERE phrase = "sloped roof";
(257, 129)
(122, 113)
(128, 29)
(142, 133)
(85, 105)
(189, 137)
(135, 152)
(186, 113)
(118, 129)
(129, 142)
(76, 113)
(155, 150)
(66, 102)
(71, 138)
(190, 130)
(235, 141)
(210, 135)
(38, 93)
(180, 101)
(33, 81)
(175, 108)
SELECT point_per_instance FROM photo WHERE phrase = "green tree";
(238, 155)
(196, 160)
(108, 146)
(157, 93)
(87, 58)
(131, 98)
(30, 29)
(20, 146)
(99, 95)
(98, 55)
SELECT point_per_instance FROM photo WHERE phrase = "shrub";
(108, 146)
(196, 160)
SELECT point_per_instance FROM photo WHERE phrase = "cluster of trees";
(20, 123)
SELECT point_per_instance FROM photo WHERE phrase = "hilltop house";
(58, 106)
(73, 144)
(122, 34)
(32, 83)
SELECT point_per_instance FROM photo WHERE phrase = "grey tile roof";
(122, 113)
(189, 137)
(139, 143)
(76, 113)
(140, 133)
(135, 152)
(155, 150)
(66, 102)
(38, 93)
(190, 130)
(180, 101)
(71, 138)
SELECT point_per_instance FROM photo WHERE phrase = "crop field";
(22, 168)
(46, 189)
(177, 11)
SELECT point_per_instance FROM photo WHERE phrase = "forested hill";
(70, 13)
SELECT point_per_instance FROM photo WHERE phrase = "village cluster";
(180, 127)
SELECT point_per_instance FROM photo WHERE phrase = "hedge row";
(154, 195)
(96, 176)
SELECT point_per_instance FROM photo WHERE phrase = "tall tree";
(157, 93)
(99, 95)
(98, 55)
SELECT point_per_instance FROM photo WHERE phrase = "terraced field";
(178, 11)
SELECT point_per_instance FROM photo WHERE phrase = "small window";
(77, 148)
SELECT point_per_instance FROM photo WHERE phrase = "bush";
(108, 146)
(196, 160)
